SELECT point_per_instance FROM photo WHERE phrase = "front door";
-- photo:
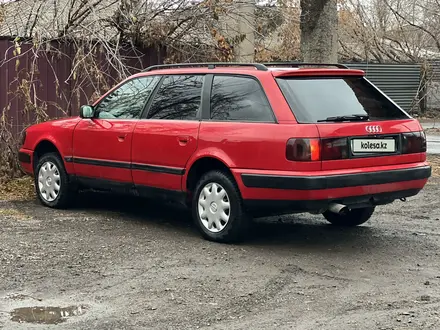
(102, 145)
(164, 141)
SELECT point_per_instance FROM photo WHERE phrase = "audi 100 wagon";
(235, 141)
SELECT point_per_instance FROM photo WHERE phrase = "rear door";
(359, 126)
(165, 139)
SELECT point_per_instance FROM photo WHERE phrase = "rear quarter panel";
(276, 98)
(253, 145)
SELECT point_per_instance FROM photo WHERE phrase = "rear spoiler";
(317, 72)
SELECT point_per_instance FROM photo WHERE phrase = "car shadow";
(299, 232)
(134, 208)
(304, 229)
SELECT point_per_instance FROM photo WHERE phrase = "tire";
(236, 226)
(56, 177)
(352, 218)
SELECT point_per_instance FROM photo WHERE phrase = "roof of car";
(276, 69)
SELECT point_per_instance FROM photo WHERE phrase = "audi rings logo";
(373, 129)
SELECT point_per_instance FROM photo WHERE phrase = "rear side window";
(239, 99)
(178, 98)
(319, 98)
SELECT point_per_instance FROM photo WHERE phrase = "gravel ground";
(143, 265)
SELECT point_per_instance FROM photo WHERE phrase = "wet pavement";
(45, 315)
(139, 264)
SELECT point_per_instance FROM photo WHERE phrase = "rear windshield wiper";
(345, 118)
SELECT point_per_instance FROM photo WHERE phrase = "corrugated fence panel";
(400, 82)
(52, 87)
(433, 91)
(434, 70)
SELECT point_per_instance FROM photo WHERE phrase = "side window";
(128, 101)
(239, 99)
(178, 97)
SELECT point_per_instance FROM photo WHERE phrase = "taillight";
(413, 142)
(332, 149)
(303, 149)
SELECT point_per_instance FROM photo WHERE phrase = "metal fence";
(400, 82)
(433, 88)
(52, 84)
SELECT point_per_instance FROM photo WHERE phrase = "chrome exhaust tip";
(338, 208)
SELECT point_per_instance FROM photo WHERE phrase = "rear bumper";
(262, 208)
(278, 192)
(335, 181)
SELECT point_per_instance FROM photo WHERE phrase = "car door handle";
(183, 140)
(121, 138)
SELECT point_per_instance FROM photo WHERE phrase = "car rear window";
(316, 99)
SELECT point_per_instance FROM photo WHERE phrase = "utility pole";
(240, 27)
(237, 24)
(245, 50)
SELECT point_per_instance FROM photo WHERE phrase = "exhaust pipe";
(338, 208)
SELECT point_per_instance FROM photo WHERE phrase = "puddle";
(45, 315)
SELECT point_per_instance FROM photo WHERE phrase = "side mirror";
(86, 111)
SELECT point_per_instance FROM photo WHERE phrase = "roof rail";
(298, 64)
(210, 65)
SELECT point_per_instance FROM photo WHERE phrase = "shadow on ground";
(299, 232)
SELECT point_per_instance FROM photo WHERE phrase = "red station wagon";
(235, 141)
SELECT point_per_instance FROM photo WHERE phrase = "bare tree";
(390, 30)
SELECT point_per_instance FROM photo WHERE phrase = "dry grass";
(432, 131)
(429, 116)
(14, 213)
(434, 160)
(18, 189)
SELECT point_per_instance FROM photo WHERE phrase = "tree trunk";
(319, 31)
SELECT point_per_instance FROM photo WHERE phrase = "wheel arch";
(45, 146)
(201, 166)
